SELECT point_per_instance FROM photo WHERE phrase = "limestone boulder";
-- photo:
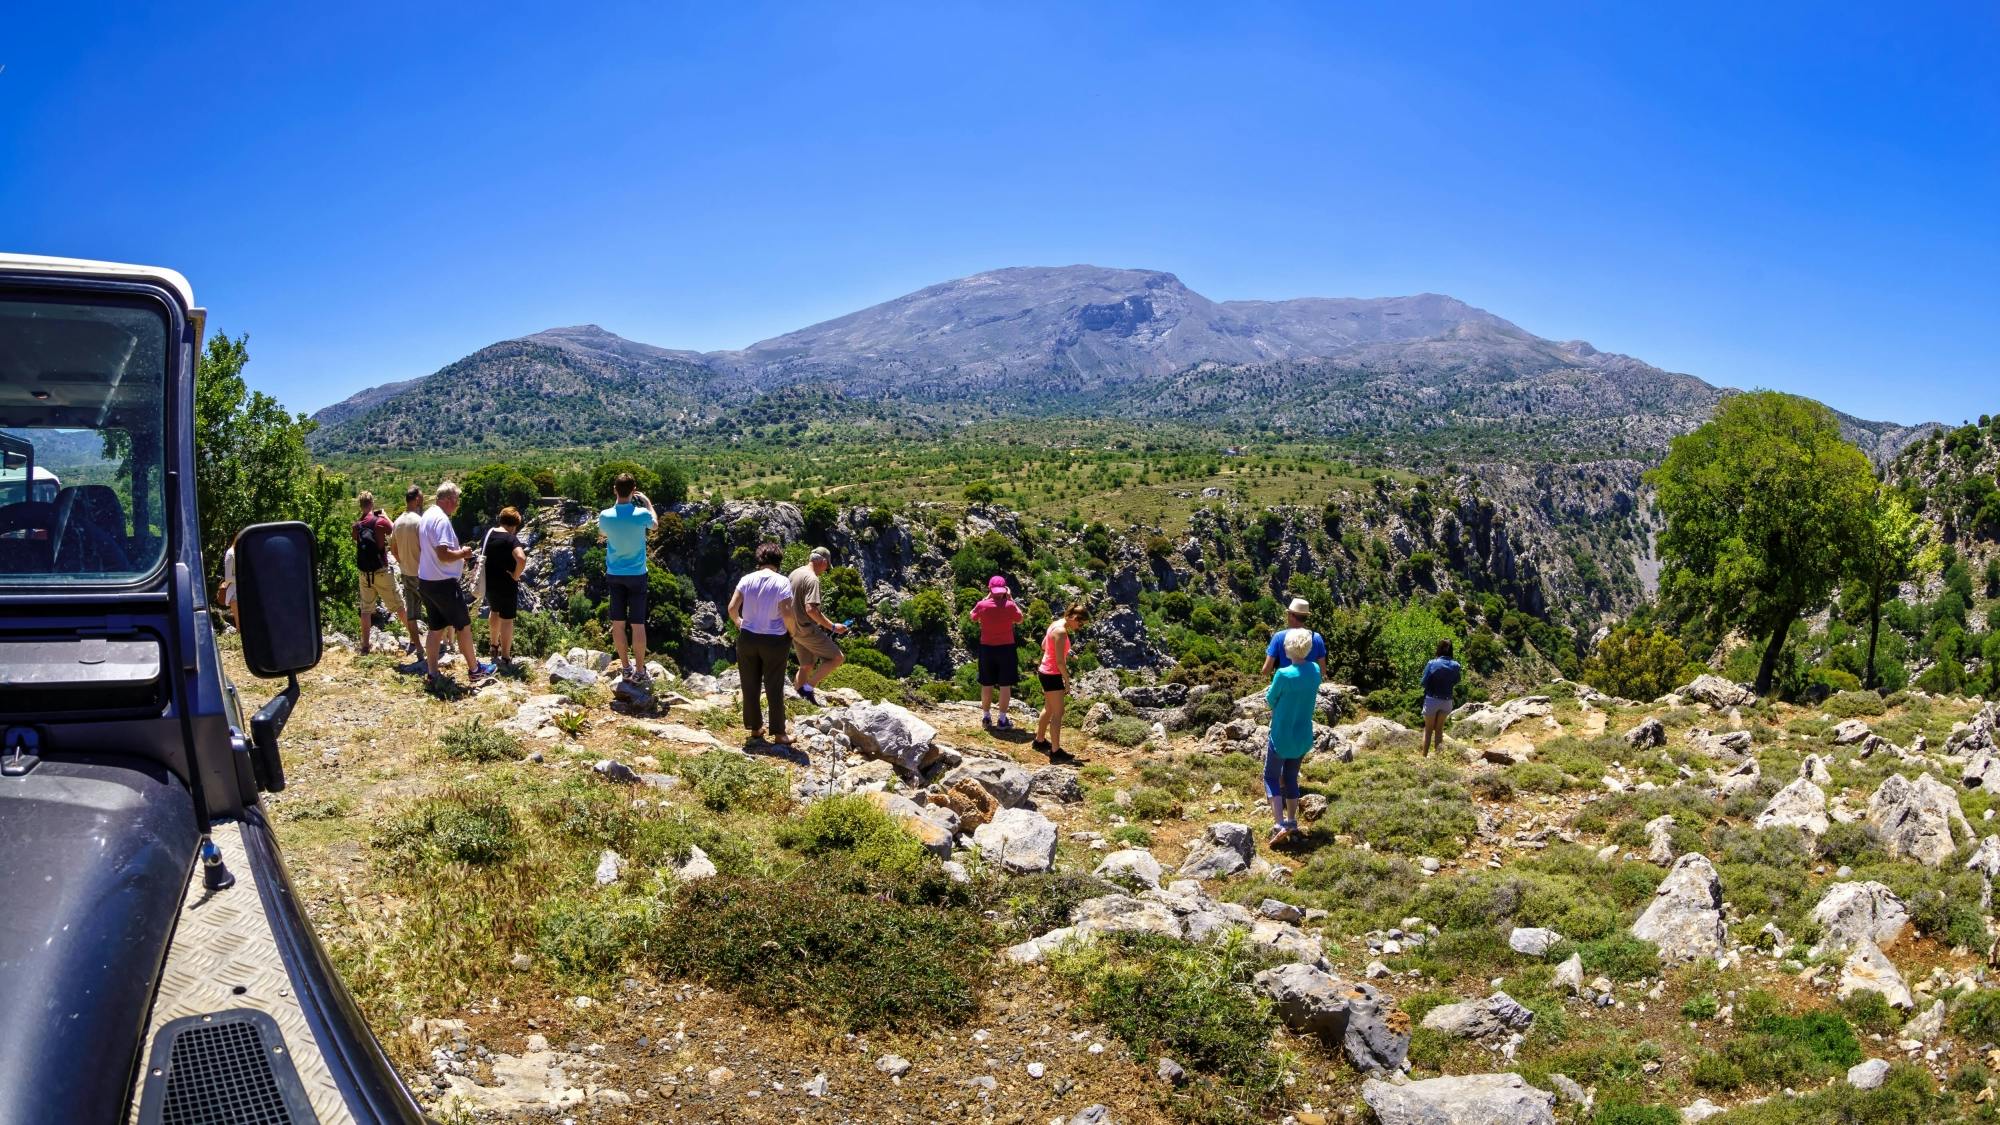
(1869, 970)
(1685, 916)
(1008, 782)
(892, 733)
(1718, 693)
(1019, 841)
(1363, 1020)
(1851, 913)
(1469, 1099)
(1131, 866)
(1648, 734)
(1497, 1014)
(1917, 819)
(1800, 805)
(1225, 848)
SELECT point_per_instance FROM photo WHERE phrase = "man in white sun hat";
(1296, 616)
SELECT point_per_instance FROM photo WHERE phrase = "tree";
(252, 466)
(1637, 664)
(1762, 506)
(1894, 545)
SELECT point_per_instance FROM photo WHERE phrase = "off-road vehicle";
(155, 963)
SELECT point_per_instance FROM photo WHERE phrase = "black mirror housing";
(277, 598)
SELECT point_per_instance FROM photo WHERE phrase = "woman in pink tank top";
(1054, 672)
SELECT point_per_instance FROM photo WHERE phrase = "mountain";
(1075, 340)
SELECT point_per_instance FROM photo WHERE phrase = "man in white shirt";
(440, 563)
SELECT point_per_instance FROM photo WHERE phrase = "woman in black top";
(504, 562)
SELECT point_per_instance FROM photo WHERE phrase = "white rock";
(1685, 917)
(1020, 841)
(1472, 1099)
(610, 867)
(1867, 970)
(1867, 1075)
(1532, 940)
(1850, 913)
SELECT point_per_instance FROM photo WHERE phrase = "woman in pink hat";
(999, 660)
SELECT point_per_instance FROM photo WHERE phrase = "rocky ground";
(1585, 909)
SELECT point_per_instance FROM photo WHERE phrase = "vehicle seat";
(90, 531)
(24, 537)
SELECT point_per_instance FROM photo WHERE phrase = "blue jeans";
(1281, 776)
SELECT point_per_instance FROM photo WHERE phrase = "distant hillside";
(1077, 340)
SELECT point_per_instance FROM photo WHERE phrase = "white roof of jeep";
(36, 263)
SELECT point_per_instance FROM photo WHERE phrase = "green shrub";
(873, 685)
(1036, 904)
(728, 780)
(1627, 1113)
(1849, 704)
(1619, 956)
(862, 655)
(1904, 1096)
(1191, 1003)
(457, 826)
(1871, 1012)
(1131, 835)
(1214, 707)
(1701, 1006)
(1977, 1015)
(1397, 805)
(804, 944)
(592, 935)
(1786, 1050)
(1362, 890)
(1151, 803)
(1536, 777)
(1763, 870)
(854, 825)
(1126, 730)
(1716, 1072)
(584, 811)
(471, 740)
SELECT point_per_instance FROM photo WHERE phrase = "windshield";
(82, 440)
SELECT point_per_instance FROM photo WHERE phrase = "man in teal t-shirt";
(624, 526)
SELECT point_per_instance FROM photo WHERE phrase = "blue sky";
(1798, 197)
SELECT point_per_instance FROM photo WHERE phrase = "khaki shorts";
(816, 643)
(380, 584)
(413, 593)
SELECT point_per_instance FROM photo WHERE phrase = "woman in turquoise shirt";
(1293, 694)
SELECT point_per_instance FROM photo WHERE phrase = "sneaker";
(1005, 723)
(806, 693)
(986, 718)
(481, 671)
(1279, 834)
(1039, 744)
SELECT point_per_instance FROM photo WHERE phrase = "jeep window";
(82, 440)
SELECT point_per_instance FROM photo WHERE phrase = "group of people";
(780, 616)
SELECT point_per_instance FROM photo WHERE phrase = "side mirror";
(277, 598)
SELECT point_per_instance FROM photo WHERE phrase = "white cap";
(1299, 606)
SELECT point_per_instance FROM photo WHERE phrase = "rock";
(1472, 1099)
(1867, 970)
(1532, 940)
(520, 962)
(1734, 744)
(560, 669)
(1701, 1109)
(1280, 911)
(1020, 841)
(973, 802)
(1237, 736)
(1170, 1072)
(1742, 779)
(1567, 1090)
(1850, 731)
(1122, 641)
(1131, 866)
(1034, 950)
(696, 866)
(1982, 771)
(1927, 1025)
(1718, 693)
(536, 717)
(1851, 913)
(610, 867)
(1813, 769)
(1007, 782)
(1800, 805)
(1370, 731)
(1363, 1020)
(1986, 860)
(933, 826)
(1660, 840)
(615, 771)
(1916, 819)
(1484, 720)
(1091, 1115)
(1867, 1075)
(1497, 1014)
(891, 733)
(895, 1066)
(1224, 849)
(1569, 974)
(1649, 733)
(1058, 783)
(1685, 917)
(1112, 914)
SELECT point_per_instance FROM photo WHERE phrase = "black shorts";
(444, 604)
(1050, 682)
(505, 602)
(999, 666)
(628, 598)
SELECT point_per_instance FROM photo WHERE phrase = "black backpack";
(368, 557)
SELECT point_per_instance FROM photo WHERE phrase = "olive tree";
(1894, 545)
(1764, 504)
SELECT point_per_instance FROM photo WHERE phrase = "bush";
(856, 826)
(456, 826)
(471, 740)
(1190, 1003)
(1849, 704)
(804, 944)
(1152, 803)
(583, 810)
(1036, 904)
(1635, 664)
(1977, 1015)
(1619, 956)
(1626, 1113)
(1362, 890)
(1715, 1072)
(591, 935)
(1212, 708)
(1126, 730)
(871, 684)
(1397, 805)
(728, 780)
(1871, 1012)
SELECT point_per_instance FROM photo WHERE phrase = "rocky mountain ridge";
(1076, 340)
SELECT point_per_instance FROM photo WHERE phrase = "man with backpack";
(371, 558)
